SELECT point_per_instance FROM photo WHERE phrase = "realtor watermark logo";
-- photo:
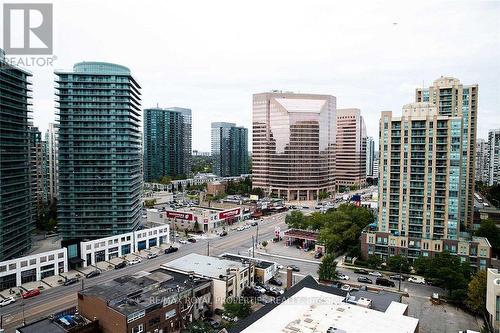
(28, 31)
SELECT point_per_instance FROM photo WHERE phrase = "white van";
(416, 279)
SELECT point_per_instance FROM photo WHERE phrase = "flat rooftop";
(212, 267)
(62, 323)
(259, 263)
(131, 293)
(311, 311)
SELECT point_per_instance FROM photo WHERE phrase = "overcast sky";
(211, 56)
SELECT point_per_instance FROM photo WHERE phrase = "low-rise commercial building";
(104, 249)
(67, 321)
(384, 245)
(229, 277)
(216, 188)
(264, 270)
(157, 301)
(31, 268)
(196, 218)
(310, 307)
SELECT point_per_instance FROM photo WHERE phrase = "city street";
(59, 298)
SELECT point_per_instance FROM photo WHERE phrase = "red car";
(30, 293)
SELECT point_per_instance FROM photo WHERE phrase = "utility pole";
(257, 235)
(253, 247)
(208, 248)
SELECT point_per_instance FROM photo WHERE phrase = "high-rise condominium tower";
(16, 206)
(370, 156)
(293, 153)
(350, 150)
(38, 166)
(482, 160)
(167, 143)
(52, 163)
(493, 157)
(420, 182)
(229, 149)
(100, 179)
(454, 99)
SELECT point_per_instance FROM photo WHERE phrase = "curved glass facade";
(99, 153)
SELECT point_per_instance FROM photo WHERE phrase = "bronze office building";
(293, 155)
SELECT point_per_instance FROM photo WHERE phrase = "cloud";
(211, 56)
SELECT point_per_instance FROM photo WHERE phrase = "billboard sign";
(229, 213)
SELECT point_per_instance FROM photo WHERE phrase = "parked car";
(228, 318)
(171, 249)
(345, 287)
(253, 224)
(219, 312)
(397, 277)
(341, 276)
(364, 279)
(318, 255)
(93, 274)
(416, 279)
(71, 281)
(250, 292)
(294, 268)
(123, 264)
(277, 290)
(30, 293)
(191, 240)
(222, 234)
(375, 273)
(214, 324)
(384, 282)
(152, 255)
(361, 271)
(272, 293)
(183, 241)
(260, 289)
(134, 261)
(7, 301)
(279, 267)
(275, 281)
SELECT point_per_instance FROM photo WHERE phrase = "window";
(60, 255)
(51, 257)
(138, 329)
(170, 314)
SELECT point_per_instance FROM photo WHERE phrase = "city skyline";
(218, 82)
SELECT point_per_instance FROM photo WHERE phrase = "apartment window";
(24, 263)
(3, 268)
(138, 329)
(32, 262)
(43, 259)
(12, 267)
(88, 247)
(170, 314)
(60, 255)
(51, 257)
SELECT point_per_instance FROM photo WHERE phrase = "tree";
(258, 191)
(327, 270)
(398, 263)
(374, 261)
(196, 226)
(295, 220)
(150, 203)
(489, 230)
(323, 195)
(264, 244)
(198, 326)
(165, 180)
(476, 293)
(237, 307)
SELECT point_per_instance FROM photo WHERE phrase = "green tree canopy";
(328, 268)
(489, 230)
(476, 293)
(398, 263)
(296, 220)
(237, 307)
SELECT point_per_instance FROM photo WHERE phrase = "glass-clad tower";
(16, 209)
(229, 149)
(167, 143)
(99, 151)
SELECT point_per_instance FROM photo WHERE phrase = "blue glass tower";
(99, 155)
